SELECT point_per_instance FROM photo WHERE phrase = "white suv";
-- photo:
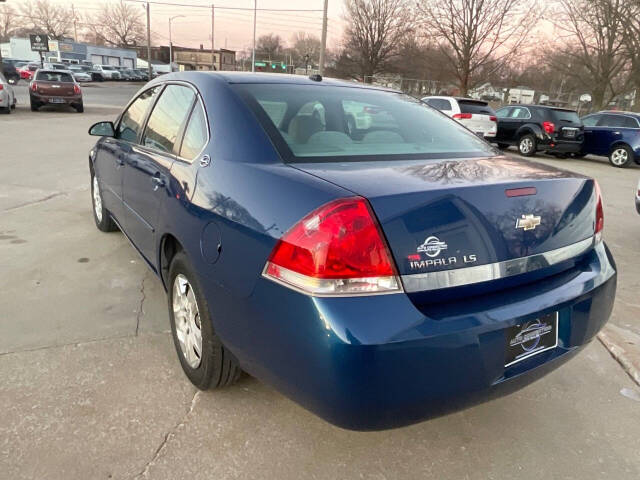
(476, 115)
(109, 72)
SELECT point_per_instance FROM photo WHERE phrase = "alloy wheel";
(97, 200)
(187, 321)
(619, 156)
(526, 145)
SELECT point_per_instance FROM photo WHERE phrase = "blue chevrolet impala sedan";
(364, 254)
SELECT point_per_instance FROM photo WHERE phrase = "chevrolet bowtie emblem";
(528, 222)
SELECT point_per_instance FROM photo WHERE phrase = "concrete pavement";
(90, 386)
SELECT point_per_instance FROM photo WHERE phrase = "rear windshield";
(331, 123)
(469, 106)
(106, 67)
(55, 77)
(566, 116)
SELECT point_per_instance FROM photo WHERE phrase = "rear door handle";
(157, 182)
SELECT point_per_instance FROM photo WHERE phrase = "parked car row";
(555, 131)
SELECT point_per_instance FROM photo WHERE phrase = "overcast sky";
(233, 28)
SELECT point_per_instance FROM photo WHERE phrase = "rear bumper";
(369, 363)
(561, 147)
(46, 99)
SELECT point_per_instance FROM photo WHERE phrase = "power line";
(155, 2)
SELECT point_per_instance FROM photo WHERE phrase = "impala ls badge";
(528, 222)
(432, 246)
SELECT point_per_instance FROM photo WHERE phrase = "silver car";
(7, 97)
(79, 74)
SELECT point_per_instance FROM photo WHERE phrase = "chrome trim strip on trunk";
(493, 271)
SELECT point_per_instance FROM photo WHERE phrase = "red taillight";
(599, 225)
(462, 116)
(1, 87)
(76, 89)
(493, 118)
(34, 86)
(549, 127)
(336, 249)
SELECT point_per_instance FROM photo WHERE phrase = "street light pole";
(253, 52)
(213, 54)
(170, 42)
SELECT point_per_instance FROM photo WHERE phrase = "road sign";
(39, 43)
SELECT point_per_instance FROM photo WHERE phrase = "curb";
(624, 346)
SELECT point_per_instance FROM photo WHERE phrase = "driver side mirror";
(102, 129)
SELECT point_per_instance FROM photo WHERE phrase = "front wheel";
(203, 358)
(527, 145)
(101, 215)
(621, 156)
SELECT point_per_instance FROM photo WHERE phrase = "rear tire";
(7, 110)
(101, 215)
(621, 156)
(527, 145)
(213, 366)
(34, 106)
(79, 108)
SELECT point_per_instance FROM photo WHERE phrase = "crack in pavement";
(35, 202)
(77, 344)
(167, 438)
(140, 307)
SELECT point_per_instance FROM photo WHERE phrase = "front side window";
(334, 123)
(591, 120)
(131, 121)
(195, 135)
(168, 115)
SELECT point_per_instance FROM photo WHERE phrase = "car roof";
(272, 78)
(549, 107)
(620, 112)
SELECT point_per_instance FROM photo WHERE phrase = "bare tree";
(270, 46)
(631, 16)
(375, 29)
(477, 36)
(54, 20)
(593, 33)
(119, 24)
(305, 44)
(8, 22)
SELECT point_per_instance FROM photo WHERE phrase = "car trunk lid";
(452, 214)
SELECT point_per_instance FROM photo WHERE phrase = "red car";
(26, 71)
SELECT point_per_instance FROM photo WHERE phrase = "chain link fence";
(498, 96)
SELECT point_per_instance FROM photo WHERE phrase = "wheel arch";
(529, 128)
(169, 246)
(620, 143)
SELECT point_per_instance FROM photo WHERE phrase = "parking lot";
(90, 386)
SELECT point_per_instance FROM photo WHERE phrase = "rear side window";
(439, 103)
(503, 112)
(520, 112)
(131, 121)
(566, 117)
(54, 77)
(195, 135)
(618, 121)
(167, 117)
(481, 108)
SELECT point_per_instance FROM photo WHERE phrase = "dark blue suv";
(612, 134)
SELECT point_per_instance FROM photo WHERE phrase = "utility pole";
(213, 55)
(149, 42)
(75, 30)
(323, 45)
(253, 52)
